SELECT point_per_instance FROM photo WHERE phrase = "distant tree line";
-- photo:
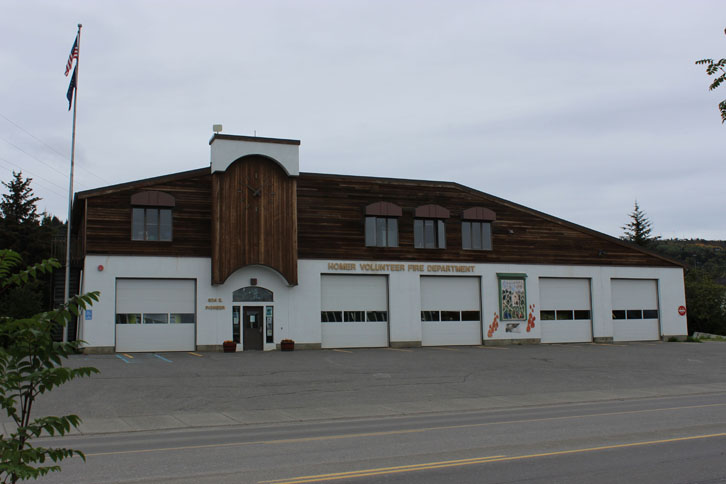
(29, 234)
(705, 277)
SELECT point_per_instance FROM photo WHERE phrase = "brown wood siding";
(108, 221)
(255, 219)
(331, 218)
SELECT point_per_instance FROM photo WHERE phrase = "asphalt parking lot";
(144, 391)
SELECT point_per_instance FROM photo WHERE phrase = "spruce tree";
(639, 229)
(18, 205)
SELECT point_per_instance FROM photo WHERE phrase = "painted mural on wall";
(494, 326)
(532, 317)
(513, 301)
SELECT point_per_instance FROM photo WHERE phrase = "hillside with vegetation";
(705, 262)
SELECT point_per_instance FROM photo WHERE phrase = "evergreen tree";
(18, 206)
(639, 229)
(29, 234)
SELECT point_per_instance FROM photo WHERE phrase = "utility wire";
(10, 167)
(64, 157)
(34, 157)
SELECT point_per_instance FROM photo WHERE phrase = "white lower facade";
(169, 304)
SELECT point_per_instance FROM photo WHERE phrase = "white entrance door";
(450, 311)
(635, 310)
(565, 314)
(354, 311)
(155, 315)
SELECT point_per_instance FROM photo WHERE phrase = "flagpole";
(70, 186)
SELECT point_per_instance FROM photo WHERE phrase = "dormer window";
(476, 228)
(429, 229)
(151, 216)
(382, 224)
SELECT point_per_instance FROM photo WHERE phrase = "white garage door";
(635, 310)
(450, 311)
(565, 315)
(155, 315)
(354, 311)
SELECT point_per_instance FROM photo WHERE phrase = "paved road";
(181, 390)
(648, 440)
(254, 417)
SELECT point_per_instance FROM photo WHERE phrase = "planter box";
(287, 346)
(229, 347)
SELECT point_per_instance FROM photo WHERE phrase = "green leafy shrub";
(31, 363)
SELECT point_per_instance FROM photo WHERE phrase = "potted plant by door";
(229, 346)
(287, 345)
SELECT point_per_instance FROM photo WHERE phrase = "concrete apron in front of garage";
(137, 392)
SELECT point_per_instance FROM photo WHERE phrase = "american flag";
(74, 55)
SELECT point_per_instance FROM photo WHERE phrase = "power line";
(46, 145)
(34, 177)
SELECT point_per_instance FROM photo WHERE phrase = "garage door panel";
(565, 293)
(154, 337)
(354, 295)
(562, 298)
(455, 296)
(167, 302)
(450, 293)
(635, 294)
(631, 300)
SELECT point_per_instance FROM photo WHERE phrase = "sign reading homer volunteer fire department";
(382, 267)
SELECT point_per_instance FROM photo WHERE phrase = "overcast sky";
(574, 108)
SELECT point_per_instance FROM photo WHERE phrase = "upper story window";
(382, 224)
(476, 228)
(429, 228)
(151, 216)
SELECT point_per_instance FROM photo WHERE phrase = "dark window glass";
(181, 318)
(441, 233)
(429, 315)
(650, 314)
(635, 314)
(370, 231)
(128, 318)
(582, 314)
(547, 315)
(466, 235)
(563, 315)
(156, 318)
(353, 316)
(618, 314)
(381, 232)
(152, 224)
(450, 316)
(486, 236)
(252, 294)
(429, 234)
(377, 315)
(392, 232)
(476, 235)
(137, 224)
(331, 316)
(418, 233)
(470, 316)
(165, 224)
